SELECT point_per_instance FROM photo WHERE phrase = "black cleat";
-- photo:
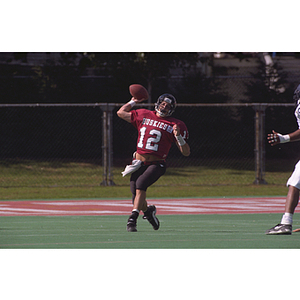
(131, 225)
(280, 229)
(150, 216)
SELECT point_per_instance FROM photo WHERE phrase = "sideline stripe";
(94, 207)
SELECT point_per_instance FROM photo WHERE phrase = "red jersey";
(155, 134)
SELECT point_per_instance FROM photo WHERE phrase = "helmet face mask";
(296, 96)
(170, 100)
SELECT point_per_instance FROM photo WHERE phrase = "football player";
(293, 183)
(157, 130)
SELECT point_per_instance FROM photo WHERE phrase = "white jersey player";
(293, 183)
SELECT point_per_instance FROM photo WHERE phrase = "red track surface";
(123, 207)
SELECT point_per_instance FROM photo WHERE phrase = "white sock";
(287, 219)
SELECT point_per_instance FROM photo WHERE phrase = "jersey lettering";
(161, 125)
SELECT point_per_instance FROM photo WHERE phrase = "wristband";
(180, 140)
(284, 138)
(132, 103)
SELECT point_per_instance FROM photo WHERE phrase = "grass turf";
(48, 180)
(232, 231)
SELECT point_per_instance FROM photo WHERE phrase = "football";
(138, 91)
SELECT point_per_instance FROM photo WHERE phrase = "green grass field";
(232, 231)
(32, 180)
(49, 180)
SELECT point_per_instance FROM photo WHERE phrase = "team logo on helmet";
(170, 99)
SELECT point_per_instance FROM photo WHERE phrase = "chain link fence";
(59, 145)
(88, 145)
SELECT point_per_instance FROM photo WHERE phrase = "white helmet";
(296, 96)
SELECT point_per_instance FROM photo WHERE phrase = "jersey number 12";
(151, 143)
